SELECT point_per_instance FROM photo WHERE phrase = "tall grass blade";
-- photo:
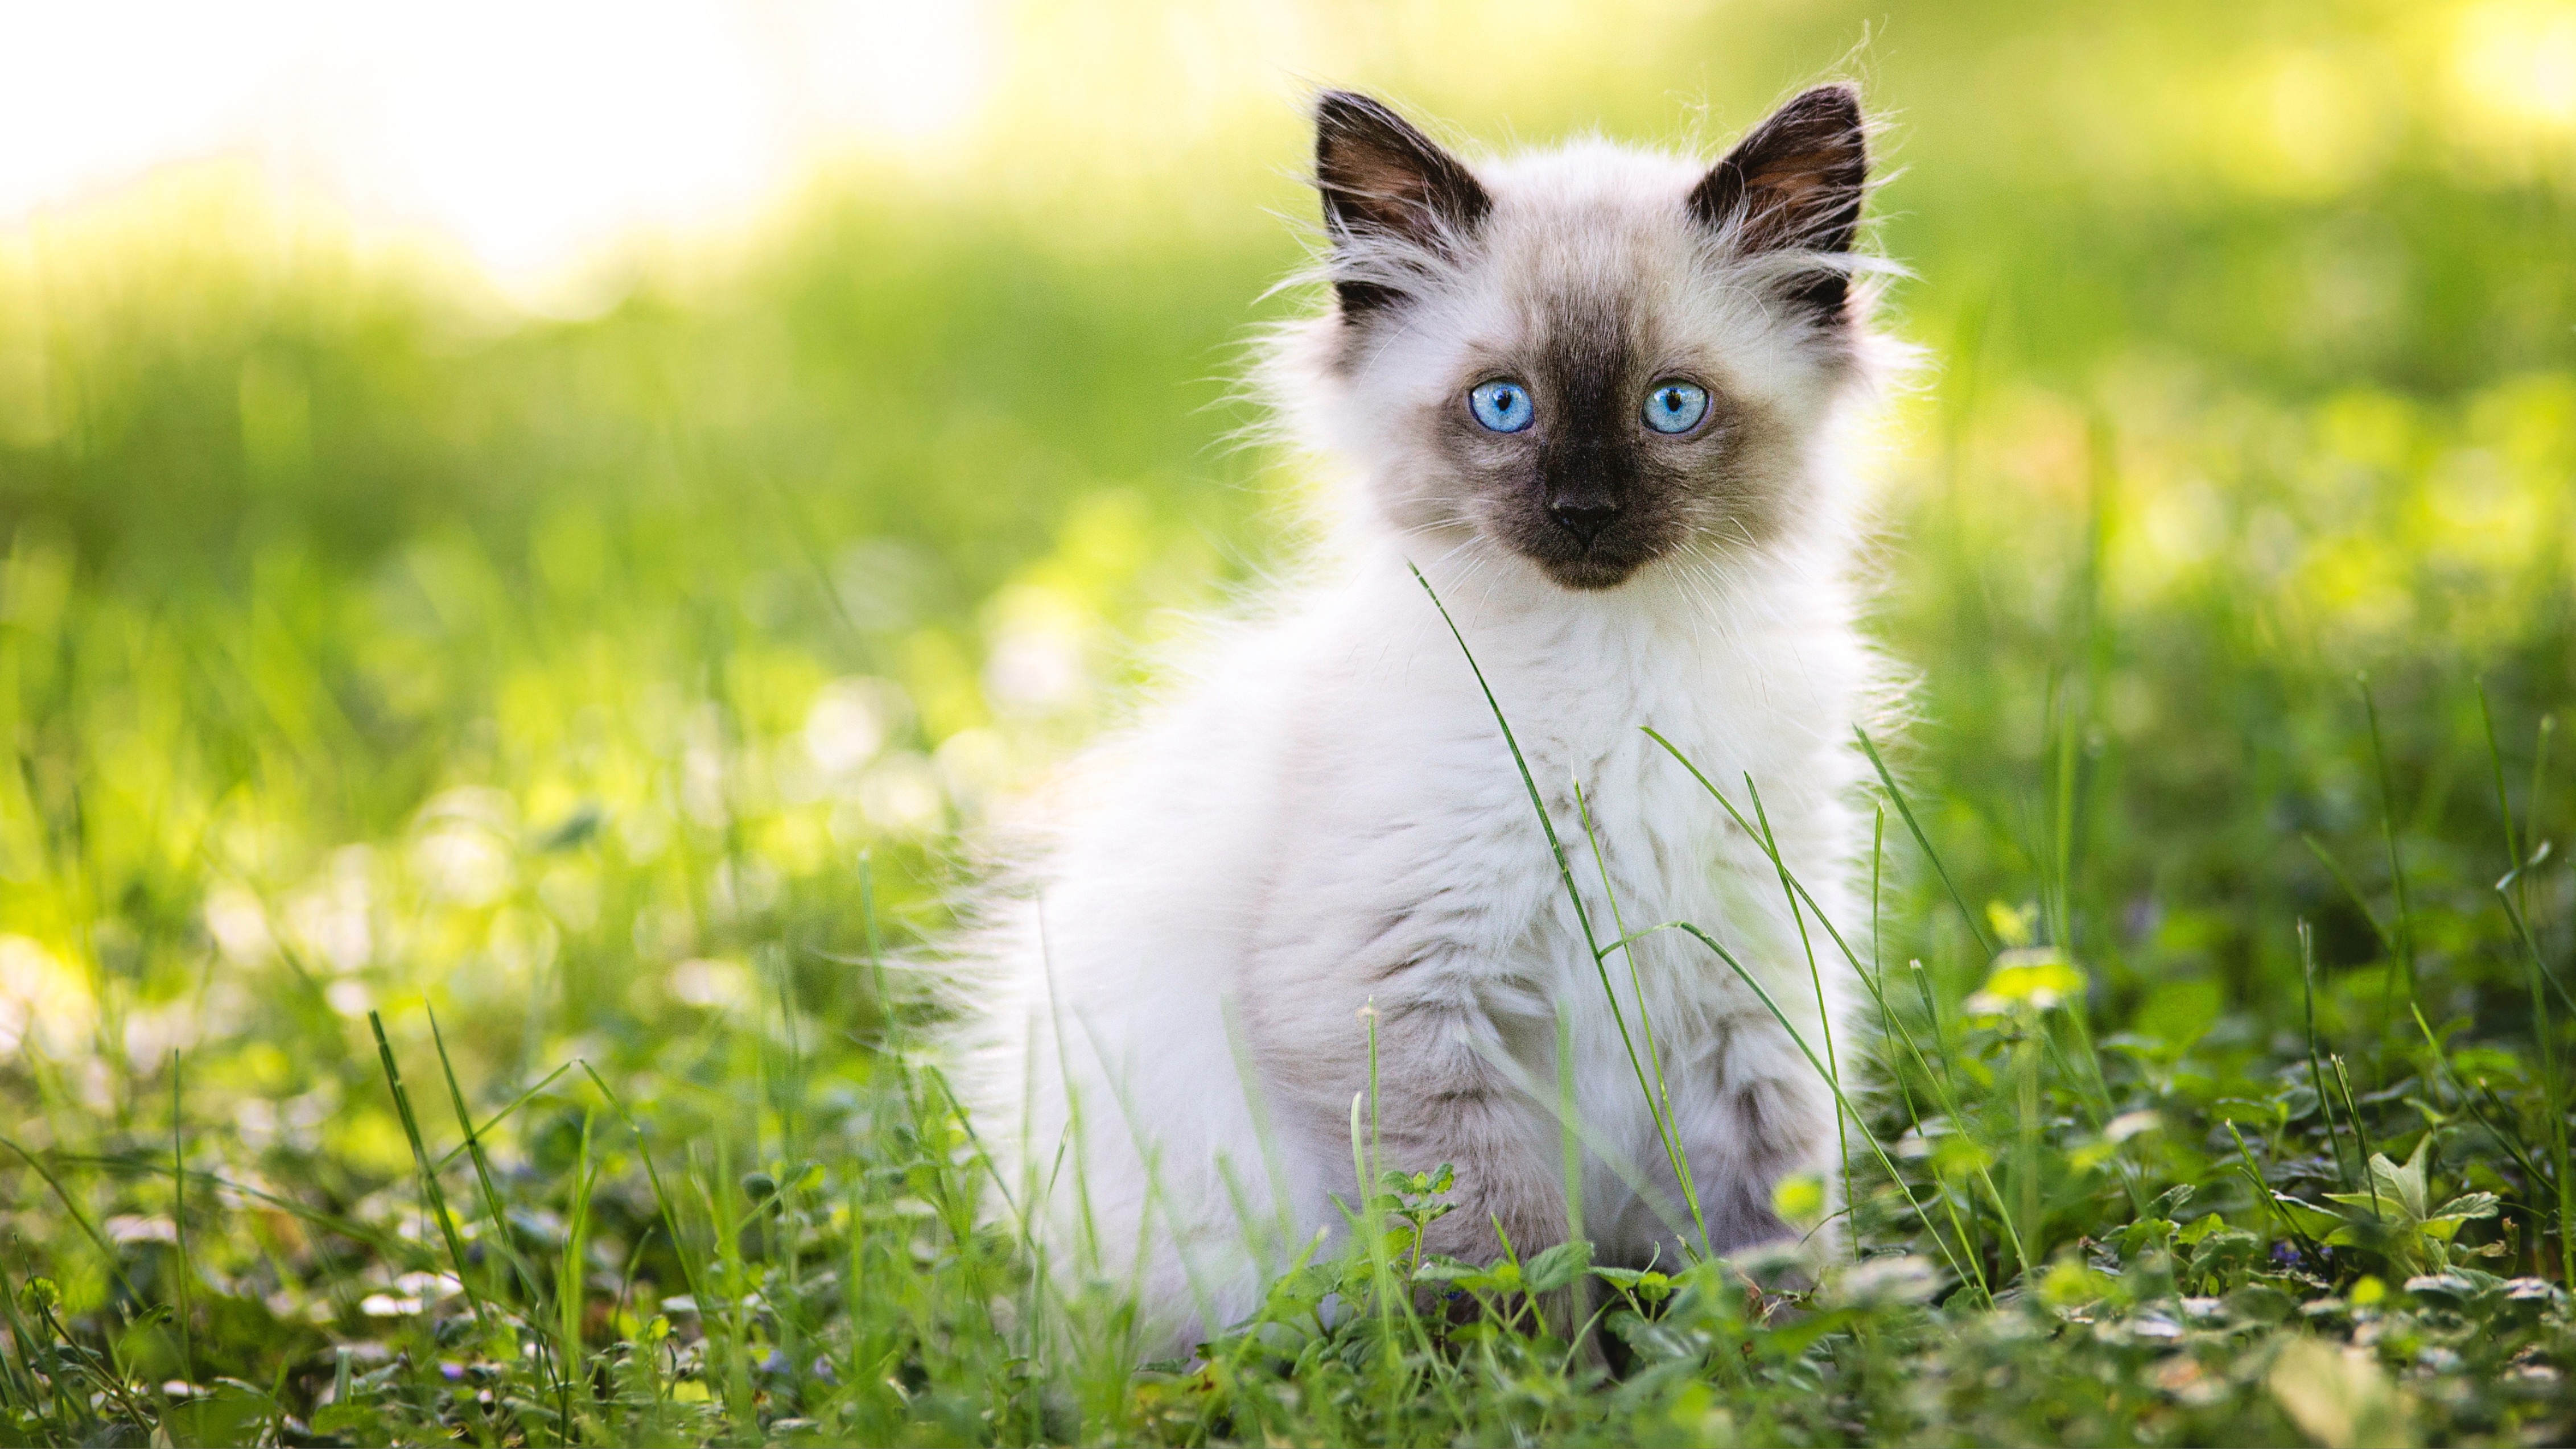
(2316, 847)
(572, 1280)
(1941, 1081)
(1565, 876)
(2555, 1105)
(2495, 762)
(472, 1132)
(433, 1198)
(18, 1358)
(2405, 957)
(1905, 812)
(1790, 890)
(692, 1270)
(1661, 1104)
(107, 1253)
(187, 1271)
(494, 1212)
(2360, 1132)
(2316, 1062)
(2544, 1035)
(1840, 1101)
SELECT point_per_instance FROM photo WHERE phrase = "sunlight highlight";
(535, 136)
(2517, 61)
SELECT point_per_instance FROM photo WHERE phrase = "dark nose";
(1584, 518)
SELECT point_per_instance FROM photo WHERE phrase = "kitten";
(1600, 396)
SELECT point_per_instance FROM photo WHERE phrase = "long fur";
(1324, 833)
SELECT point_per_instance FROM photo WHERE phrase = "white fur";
(1328, 818)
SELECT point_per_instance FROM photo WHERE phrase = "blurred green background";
(367, 643)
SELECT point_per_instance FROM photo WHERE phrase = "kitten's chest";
(1407, 806)
(1622, 748)
(1642, 827)
(1631, 724)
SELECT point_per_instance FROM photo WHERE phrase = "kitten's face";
(1593, 358)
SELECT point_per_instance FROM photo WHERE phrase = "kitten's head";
(1595, 357)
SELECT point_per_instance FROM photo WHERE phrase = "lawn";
(482, 779)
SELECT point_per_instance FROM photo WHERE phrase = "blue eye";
(1503, 407)
(1676, 407)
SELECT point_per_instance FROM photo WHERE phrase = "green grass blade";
(2495, 761)
(1905, 812)
(1556, 851)
(2361, 1133)
(572, 1279)
(187, 1273)
(2387, 939)
(1840, 1101)
(2405, 957)
(2316, 1062)
(1660, 1105)
(494, 1212)
(1940, 1080)
(472, 1132)
(1790, 891)
(433, 1198)
(690, 1268)
(107, 1253)
(2556, 1104)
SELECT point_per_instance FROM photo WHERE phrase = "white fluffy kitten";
(1597, 395)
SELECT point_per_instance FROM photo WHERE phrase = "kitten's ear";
(1796, 183)
(1382, 179)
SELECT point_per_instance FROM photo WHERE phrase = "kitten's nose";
(1584, 519)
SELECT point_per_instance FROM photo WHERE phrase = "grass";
(478, 782)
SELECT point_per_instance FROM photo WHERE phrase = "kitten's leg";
(1750, 1114)
(1445, 1097)
(1756, 1108)
(1765, 1129)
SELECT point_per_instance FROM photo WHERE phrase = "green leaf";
(2406, 1182)
(2298, 1103)
(333, 1418)
(2472, 1205)
(2456, 1286)
(2364, 1207)
(2460, 1211)
(1647, 1284)
(1792, 1338)
(2309, 1218)
(1500, 1278)
(2144, 1231)
(2180, 1013)
(1557, 1267)
(1656, 1342)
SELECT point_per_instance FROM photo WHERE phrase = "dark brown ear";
(1796, 183)
(1383, 179)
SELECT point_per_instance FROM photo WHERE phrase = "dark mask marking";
(1588, 493)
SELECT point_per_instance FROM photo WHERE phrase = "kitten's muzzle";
(1584, 517)
(1587, 542)
(1587, 482)
(1588, 488)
